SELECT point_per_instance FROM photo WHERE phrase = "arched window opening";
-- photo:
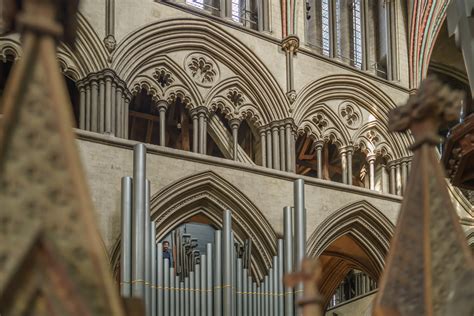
(308, 152)
(144, 119)
(249, 141)
(179, 127)
(360, 169)
(356, 34)
(306, 157)
(355, 284)
(74, 97)
(245, 12)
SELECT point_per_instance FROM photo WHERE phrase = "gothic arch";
(180, 80)
(9, 48)
(366, 228)
(321, 123)
(350, 88)
(374, 139)
(209, 194)
(204, 37)
(245, 107)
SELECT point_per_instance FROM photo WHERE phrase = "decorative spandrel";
(429, 253)
(42, 185)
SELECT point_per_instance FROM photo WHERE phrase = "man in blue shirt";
(166, 252)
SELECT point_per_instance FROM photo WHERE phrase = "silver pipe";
(275, 284)
(187, 296)
(239, 286)
(197, 289)
(227, 263)
(280, 291)
(166, 287)
(173, 292)
(253, 298)
(209, 280)
(203, 288)
(300, 229)
(271, 283)
(159, 279)
(245, 292)
(266, 296)
(259, 299)
(138, 227)
(233, 274)
(154, 274)
(217, 273)
(289, 255)
(147, 249)
(181, 299)
(126, 244)
(190, 294)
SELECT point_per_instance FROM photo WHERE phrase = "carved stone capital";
(290, 44)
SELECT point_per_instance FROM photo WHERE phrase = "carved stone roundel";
(350, 115)
(202, 69)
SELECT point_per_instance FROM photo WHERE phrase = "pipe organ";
(217, 281)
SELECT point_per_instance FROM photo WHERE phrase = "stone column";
(234, 125)
(290, 150)
(263, 146)
(94, 107)
(82, 106)
(371, 161)
(393, 178)
(108, 105)
(384, 179)
(126, 107)
(290, 45)
(88, 107)
(282, 148)
(350, 150)
(399, 178)
(269, 148)
(318, 145)
(204, 128)
(118, 114)
(195, 118)
(276, 149)
(162, 107)
(113, 107)
(344, 165)
(404, 166)
(201, 132)
(101, 105)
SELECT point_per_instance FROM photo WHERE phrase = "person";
(166, 252)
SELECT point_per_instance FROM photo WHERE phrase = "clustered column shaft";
(103, 104)
(278, 146)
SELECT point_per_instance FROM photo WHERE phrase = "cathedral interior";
(222, 141)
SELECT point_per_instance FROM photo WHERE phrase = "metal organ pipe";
(126, 244)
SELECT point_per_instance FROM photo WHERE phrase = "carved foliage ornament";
(202, 69)
(163, 77)
(320, 120)
(235, 97)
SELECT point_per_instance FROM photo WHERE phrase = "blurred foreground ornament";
(309, 275)
(429, 256)
(52, 261)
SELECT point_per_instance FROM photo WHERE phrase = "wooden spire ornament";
(52, 260)
(429, 256)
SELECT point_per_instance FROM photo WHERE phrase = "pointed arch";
(209, 194)
(365, 229)
(217, 97)
(374, 138)
(169, 36)
(181, 82)
(319, 116)
(355, 89)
